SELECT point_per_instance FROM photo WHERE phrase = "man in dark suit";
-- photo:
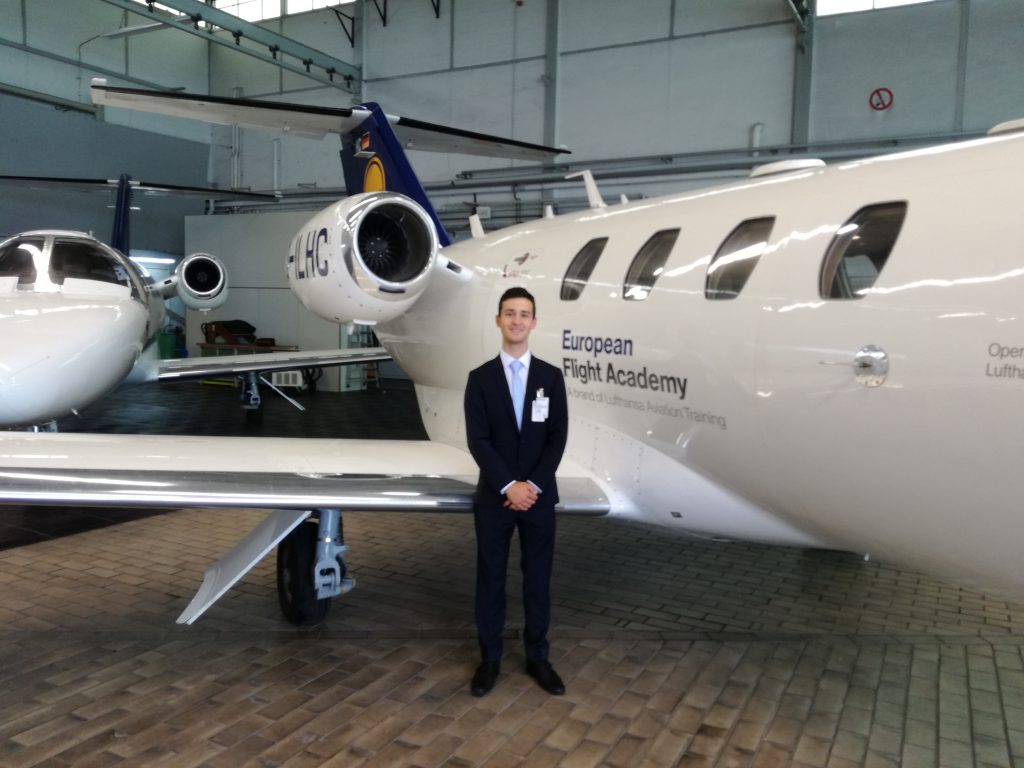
(516, 427)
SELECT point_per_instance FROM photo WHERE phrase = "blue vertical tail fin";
(373, 161)
(121, 236)
(373, 154)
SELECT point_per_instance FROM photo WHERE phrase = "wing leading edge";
(229, 472)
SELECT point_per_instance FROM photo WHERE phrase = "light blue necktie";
(517, 391)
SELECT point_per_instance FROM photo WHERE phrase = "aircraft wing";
(289, 475)
(203, 367)
(314, 121)
(172, 471)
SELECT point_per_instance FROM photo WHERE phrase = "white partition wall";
(254, 248)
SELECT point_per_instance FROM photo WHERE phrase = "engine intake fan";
(202, 281)
(365, 259)
(393, 244)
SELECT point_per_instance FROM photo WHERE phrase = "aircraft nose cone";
(59, 355)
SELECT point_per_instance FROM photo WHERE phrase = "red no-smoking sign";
(880, 99)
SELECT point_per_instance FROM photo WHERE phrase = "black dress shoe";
(483, 678)
(545, 675)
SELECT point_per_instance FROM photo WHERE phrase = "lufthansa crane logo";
(374, 179)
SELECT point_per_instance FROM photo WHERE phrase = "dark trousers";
(494, 528)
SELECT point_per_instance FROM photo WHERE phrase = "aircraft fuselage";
(753, 417)
(75, 316)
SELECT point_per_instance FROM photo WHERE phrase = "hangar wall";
(38, 140)
(952, 66)
(677, 76)
(663, 76)
(252, 248)
(618, 80)
(52, 49)
(57, 47)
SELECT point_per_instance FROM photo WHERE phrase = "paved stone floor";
(674, 652)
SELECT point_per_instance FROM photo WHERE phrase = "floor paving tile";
(674, 651)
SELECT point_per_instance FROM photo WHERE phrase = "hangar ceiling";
(225, 29)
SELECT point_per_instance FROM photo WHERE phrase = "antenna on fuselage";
(476, 227)
(593, 195)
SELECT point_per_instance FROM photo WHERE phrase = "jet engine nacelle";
(201, 281)
(365, 259)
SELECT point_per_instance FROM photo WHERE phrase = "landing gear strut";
(252, 401)
(311, 568)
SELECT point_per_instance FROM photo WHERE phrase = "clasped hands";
(520, 496)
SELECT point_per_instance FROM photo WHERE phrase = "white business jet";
(78, 318)
(823, 356)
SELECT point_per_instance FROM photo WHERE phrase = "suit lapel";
(532, 381)
(501, 383)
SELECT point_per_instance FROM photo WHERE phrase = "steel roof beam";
(801, 10)
(313, 64)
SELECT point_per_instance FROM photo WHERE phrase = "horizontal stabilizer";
(415, 134)
(298, 119)
(149, 189)
(314, 121)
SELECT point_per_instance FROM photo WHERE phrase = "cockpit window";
(85, 261)
(583, 263)
(648, 265)
(859, 250)
(736, 258)
(19, 257)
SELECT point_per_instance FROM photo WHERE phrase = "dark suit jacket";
(502, 452)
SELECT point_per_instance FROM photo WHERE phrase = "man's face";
(516, 320)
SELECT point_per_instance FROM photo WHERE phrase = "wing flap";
(226, 572)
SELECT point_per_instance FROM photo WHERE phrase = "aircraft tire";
(296, 591)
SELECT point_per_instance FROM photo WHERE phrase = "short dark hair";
(517, 292)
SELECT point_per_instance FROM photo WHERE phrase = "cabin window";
(85, 261)
(583, 263)
(648, 265)
(19, 257)
(859, 250)
(736, 258)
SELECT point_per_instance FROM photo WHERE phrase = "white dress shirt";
(524, 372)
